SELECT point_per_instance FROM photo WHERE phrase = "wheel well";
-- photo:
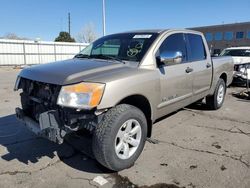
(143, 104)
(224, 77)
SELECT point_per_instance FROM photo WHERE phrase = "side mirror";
(170, 57)
(216, 55)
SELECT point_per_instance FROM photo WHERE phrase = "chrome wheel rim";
(128, 139)
(220, 96)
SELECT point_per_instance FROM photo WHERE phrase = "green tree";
(64, 37)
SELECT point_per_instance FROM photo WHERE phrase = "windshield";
(125, 46)
(236, 52)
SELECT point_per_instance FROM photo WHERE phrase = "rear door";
(201, 63)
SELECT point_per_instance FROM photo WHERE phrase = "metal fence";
(24, 52)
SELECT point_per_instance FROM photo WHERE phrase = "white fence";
(24, 52)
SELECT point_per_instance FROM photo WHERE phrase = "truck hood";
(240, 60)
(71, 71)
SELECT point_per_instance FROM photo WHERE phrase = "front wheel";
(217, 99)
(120, 137)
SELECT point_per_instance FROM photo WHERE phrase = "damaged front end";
(43, 116)
(242, 73)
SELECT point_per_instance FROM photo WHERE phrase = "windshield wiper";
(81, 56)
(101, 56)
(98, 56)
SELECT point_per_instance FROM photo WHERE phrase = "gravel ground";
(193, 147)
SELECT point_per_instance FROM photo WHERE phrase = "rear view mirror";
(170, 57)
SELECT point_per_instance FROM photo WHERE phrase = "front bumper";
(240, 78)
(47, 127)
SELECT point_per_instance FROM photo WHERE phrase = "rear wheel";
(217, 99)
(120, 137)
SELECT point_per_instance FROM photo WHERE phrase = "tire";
(109, 147)
(217, 99)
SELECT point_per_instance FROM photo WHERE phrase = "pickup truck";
(118, 86)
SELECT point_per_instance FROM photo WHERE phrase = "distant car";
(241, 58)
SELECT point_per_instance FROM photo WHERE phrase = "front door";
(176, 79)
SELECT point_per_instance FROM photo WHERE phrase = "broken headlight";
(82, 95)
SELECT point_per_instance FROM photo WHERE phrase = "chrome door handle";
(208, 65)
(188, 70)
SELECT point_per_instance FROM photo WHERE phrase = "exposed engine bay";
(38, 97)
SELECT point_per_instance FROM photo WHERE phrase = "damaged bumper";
(241, 73)
(47, 127)
(52, 127)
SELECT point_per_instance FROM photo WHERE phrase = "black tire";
(105, 135)
(212, 101)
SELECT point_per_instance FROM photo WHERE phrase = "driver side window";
(174, 43)
(109, 47)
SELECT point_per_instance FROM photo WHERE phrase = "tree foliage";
(87, 34)
(64, 37)
(13, 36)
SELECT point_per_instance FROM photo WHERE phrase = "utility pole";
(69, 21)
(103, 18)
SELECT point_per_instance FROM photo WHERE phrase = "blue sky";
(46, 18)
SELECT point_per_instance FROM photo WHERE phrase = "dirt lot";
(193, 147)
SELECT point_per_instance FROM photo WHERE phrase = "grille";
(38, 97)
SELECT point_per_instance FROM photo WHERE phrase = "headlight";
(83, 95)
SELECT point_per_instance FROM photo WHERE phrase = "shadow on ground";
(76, 152)
(243, 95)
(200, 105)
(24, 146)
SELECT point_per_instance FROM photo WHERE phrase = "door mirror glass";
(170, 57)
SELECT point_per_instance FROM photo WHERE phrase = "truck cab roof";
(159, 31)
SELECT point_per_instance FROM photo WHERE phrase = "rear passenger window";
(196, 48)
(174, 43)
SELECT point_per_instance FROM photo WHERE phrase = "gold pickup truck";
(118, 86)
